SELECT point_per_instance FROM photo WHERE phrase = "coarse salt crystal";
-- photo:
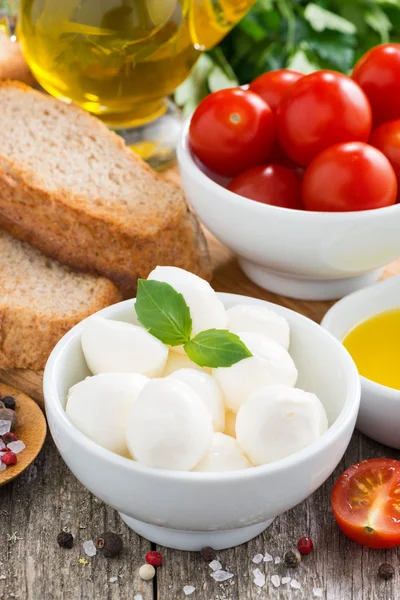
(259, 578)
(138, 597)
(2, 466)
(276, 580)
(5, 426)
(16, 447)
(277, 560)
(318, 592)
(257, 558)
(268, 557)
(89, 548)
(112, 579)
(286, 580)
(2, 577)
(295, 584)
(2, 445)
(215, 565)
(188, 589)
(221, 575)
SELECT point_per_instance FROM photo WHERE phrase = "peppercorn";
(147, 572)
(305, 545)
(6, 414)
(154, 558)
(385, 571)
(9, 437)
(65, 539)
(208, 554)
(9, 458)
(9, 402)
(110, 544)
(292, 558)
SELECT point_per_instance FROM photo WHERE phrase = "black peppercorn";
(65, 539)
(208, 554)
(9, 402)
(385, 571)
(292, 558)
(6, 414)
(110, 544)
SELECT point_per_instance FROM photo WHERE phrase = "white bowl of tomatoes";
(298, 175)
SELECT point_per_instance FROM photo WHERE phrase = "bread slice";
(40, 300)
(71, 187)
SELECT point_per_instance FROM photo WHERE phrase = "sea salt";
(2, 445)
(268, 557)
(89, 548)
(286, 580)
(215, 565)
(16, 447)
(138, 597)
(188, 589)
(112, 579)
(276, 580)
(259, 578)
(295, 584)
(2, 466)
(277, 560)
(5, 426)
(257, 558)
(318, 592)
(221, 575)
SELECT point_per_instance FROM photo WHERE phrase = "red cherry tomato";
(352, 176)
(273, 85)
(232, 130)
(320, 110)
(365, 502)
(271, 184)
(386, 138)
(378, 73)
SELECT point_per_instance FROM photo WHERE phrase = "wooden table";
(48, 498)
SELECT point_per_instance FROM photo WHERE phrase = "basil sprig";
(164, 313)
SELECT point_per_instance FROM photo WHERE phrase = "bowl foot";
(195, 540)
(304, 288)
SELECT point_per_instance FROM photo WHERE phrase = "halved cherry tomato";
(378, 73)
(346, 177)
(366, 502)
(232, 130)
(271, 184)
(386, 138)
(320, 110)
(273, 85)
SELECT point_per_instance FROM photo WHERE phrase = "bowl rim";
(351, 405)
(185, 158)
(339, 308)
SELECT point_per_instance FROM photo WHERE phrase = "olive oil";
(375, 348)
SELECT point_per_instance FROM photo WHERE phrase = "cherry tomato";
(273, 85)
(378, 73)
(352, 176)
(320, 110)
(386, 138)
(366, 502)
(271, 184)
(232, 130)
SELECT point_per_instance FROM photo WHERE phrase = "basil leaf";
(216, 348)
(163, 311)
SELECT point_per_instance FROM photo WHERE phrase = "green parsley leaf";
(216, 348)
(163, 312)
(321, 19)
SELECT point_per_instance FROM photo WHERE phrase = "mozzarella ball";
(277, 421)
(99, 407)
(181, 361)
(259, 319)
(207, 388)
(270, 364)
(169, 427)
(206, 309)
(114, 346)
(224, 455)
(230, 423)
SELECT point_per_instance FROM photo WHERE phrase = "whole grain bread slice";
(40, 300)
(71, 187)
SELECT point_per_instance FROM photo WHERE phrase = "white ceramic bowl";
(379, 415)
(309, 255)
(187, 510)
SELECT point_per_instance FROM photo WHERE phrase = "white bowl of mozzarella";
(192, 456)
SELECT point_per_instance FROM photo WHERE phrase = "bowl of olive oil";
(367, 322)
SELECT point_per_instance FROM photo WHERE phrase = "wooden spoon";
(31, 429)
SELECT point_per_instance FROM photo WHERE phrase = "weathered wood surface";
(47, 498)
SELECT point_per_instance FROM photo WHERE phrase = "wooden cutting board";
(227, 278)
